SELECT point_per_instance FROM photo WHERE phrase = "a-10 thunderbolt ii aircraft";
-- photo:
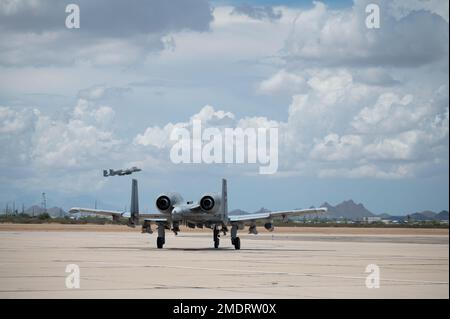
(121, 172)
(210, 211)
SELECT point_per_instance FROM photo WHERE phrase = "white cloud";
(155, 136)
(11, 7)
(258, 13)
(384, 143)
(72, 144)
(104, 115)
(33, 32)
(384, 140)
(365, 103)
(75, 142)
(331, 37)
(375, 76)
(401, 8)
(159, 137)
(212, 117)
(334, 148)
(98, 92)
(391, 113)
(400, 147)
(232, 39)
(282, 82)
(46, 150)
(90, 113)
(368, 171)
(14, 122)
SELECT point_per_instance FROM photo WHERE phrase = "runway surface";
(119, 264)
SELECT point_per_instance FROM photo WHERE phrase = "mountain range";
(346, 210)
(356, 211)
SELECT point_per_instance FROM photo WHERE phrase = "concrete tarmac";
(270, 265)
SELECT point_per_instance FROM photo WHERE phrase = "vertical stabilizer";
(224, 199)
(134, 206)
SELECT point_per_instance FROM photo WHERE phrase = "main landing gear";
(234, 239)
(216, 237)
(161, 240)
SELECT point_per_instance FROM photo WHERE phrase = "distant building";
(372, 219)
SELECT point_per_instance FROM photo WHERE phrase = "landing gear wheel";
(160, 242)
(216, 237)
(237, 243)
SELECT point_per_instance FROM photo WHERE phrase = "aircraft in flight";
(211, 211)
(121, 172)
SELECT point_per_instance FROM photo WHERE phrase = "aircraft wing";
(278, 214)
(101, 212)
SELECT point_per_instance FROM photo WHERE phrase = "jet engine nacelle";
(210, 203)
(269, 226)
(165, 202)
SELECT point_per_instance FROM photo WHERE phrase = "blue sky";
(362, 113)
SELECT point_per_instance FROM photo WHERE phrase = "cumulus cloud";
(369, 171)
(282, 82)
(15, 135)
(360, 106)
(334, 147)
(14, 122)
(41, 148)
(212, 117)
(99, 92)
(159, 137)
(341, 37)
(401, 8)
(110, 18)
(364, 103)
(70, 144)
(114, 32)
(388, 139)
(258, 13)
(389, 114)
(340, 127)
(156, 136)
(375, 76)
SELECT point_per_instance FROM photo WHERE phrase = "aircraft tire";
(160, 242)
(237, 243)
(216, 243)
